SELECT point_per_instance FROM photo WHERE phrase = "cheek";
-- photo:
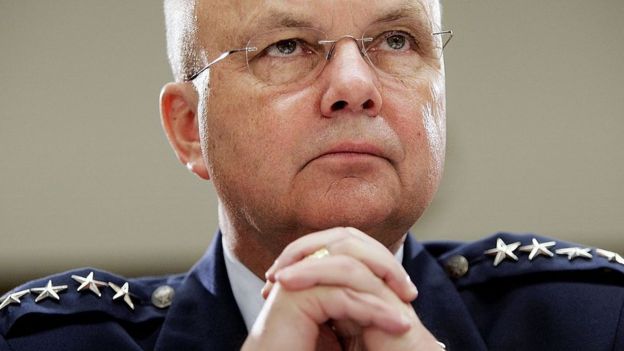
(229, 124)
(419, 118)
(434, 120)
(251, 134)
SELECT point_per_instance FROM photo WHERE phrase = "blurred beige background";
(535, 105)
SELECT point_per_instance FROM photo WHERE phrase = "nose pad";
(352, 84)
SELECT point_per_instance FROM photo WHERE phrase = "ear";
(178, 113)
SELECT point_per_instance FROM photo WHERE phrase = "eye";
(287, 47)
(395, 41)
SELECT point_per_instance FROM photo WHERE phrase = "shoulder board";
(89, 290)
(506, 255)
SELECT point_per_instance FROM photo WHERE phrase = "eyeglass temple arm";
(219, 58)
(449, 32)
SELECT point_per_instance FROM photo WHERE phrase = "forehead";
(343, 16)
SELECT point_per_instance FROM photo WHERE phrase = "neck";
(246, 245)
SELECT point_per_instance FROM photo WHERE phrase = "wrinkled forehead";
(239, 19)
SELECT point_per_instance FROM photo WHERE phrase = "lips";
(355, 148)
(352, 150)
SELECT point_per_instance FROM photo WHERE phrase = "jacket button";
(456, 266)
(163, 296)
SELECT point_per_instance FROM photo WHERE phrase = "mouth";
(352, 152)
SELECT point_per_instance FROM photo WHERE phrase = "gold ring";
(320, 253)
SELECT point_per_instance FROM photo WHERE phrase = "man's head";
(346, 144)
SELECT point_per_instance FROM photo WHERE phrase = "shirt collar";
(246, 287)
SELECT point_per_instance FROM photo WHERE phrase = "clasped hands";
(356, 298)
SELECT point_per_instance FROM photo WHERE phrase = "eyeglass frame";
(247, 49)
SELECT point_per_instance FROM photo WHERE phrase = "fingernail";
(352, 230)
(412, 287)
(405, 320)
(279, 275)
(284, 275)
(270, 273)
(266, 289)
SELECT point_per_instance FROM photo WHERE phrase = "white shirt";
(246, 286)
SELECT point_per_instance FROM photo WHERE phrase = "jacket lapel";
(439, 304)
(204, 314)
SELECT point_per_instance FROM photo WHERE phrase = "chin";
(382, 209)
(382, 220)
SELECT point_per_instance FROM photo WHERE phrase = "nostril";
(338, 105)
(368, 104)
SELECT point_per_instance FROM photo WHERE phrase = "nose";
(351, 83)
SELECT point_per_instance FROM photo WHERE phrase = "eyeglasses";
(298, 54)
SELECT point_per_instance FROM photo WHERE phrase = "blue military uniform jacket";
(573, 300)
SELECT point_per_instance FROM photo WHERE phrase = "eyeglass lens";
(290, 55)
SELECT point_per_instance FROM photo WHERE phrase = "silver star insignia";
(48, 291)
(610, 256)
(89, 283)
(122, 291)
(574, 252)
(503, 251)
(13, 298)
(537, 249)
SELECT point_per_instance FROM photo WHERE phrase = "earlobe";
(178, 112)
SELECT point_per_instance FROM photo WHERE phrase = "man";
(322, 126)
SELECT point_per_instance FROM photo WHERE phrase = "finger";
(417, 338)
(351, 242)
(304, 246)
(266, 289)
(339, 270)
(321, 304)
(364, 309)
(381, 262)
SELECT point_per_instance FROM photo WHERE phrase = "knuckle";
(341, 233)
(342, 245)
(353, 231)
(349, 265)
(289, 249)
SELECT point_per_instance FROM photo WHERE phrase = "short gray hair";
(181, 31)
